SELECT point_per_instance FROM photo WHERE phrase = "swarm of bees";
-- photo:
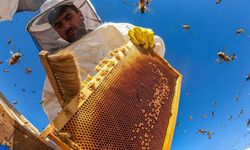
(142, 6)
(224, 57)
(185, 27)
(218, 1)
(240, 31)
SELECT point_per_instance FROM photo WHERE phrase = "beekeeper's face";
(69, 24)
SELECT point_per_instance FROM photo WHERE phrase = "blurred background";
(215, 97)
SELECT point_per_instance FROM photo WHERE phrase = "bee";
(202, 131)
(27, 70)
(213, 113)
(41, 102)
(142, 5)
(185, 27)
(9, 41)
(248, 77)
(223, 56)
(1, 61)
(239, 31)
(218, 1)
(14, 102)
(237, 98)
(214, 104)
(205, 116)
(209, 134)
(240, 113)
(248, 123)
(190, 117)
(64, 135)
(125, 2)
(6, 70)
(230, 117)
(14, 58)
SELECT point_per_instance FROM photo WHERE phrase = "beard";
(78, 32)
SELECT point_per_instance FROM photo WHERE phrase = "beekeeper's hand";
(142, 36)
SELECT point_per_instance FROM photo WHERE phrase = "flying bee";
(6, 70)
(209, 134)
(248, 123)
(14, 102)
(218, 1)
(205, 116)
(185, 27)
(214, 104)
(9, 41)
(223, 56)
(125, 2)
(230, 117)
(239, 31)
(15, 58)
(237, 98)
(142, 5)
(248, 77)
(190, 117)
(240, 113)
(213, 113)
(1, 61)
(28, 70)
(202, 131)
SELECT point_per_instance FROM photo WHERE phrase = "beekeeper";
(9, 7)
(61, 22)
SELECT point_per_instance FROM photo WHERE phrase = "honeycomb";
(129, 109)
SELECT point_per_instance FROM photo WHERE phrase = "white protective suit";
(9, 7)
(92, 48)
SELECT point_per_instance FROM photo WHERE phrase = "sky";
(192, 52)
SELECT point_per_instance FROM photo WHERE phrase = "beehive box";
(131, 103)
(16, 132)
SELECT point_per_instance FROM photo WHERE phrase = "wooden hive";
(131, 103)
(16, 132)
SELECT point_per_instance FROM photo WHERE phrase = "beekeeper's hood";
(43, 33)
